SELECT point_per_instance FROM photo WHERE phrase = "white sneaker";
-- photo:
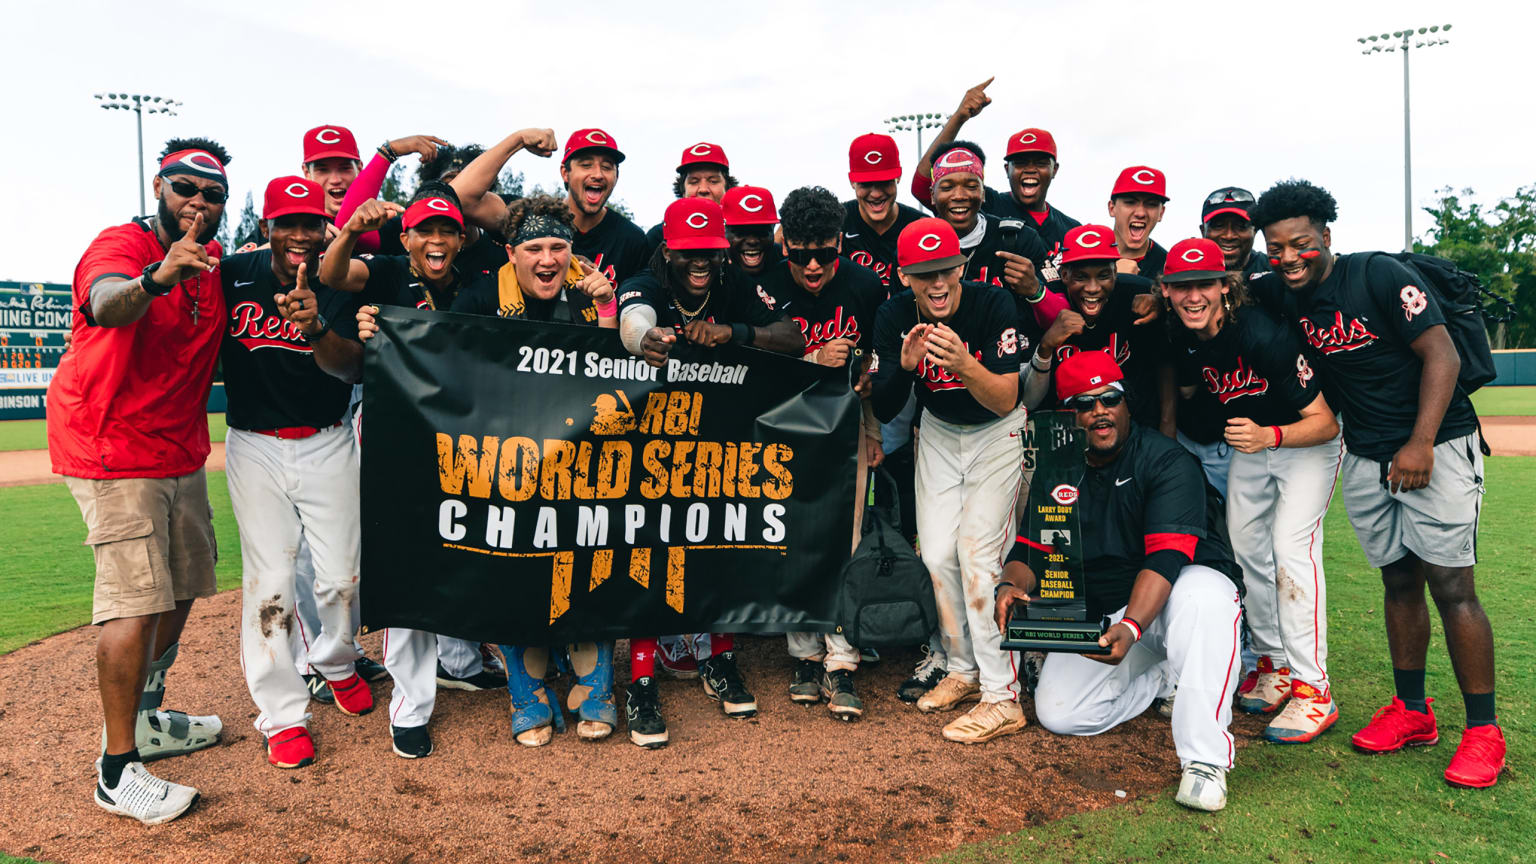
(1203, 787)
(143, 796)
(1165, 704)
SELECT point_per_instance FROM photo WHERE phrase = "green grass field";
(1321, 803)
(33, 435)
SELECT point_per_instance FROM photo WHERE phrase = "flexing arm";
(476, 179)
(338, 268)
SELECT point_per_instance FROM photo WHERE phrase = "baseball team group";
(1224, 391)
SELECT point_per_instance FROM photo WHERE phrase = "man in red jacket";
(128, 429)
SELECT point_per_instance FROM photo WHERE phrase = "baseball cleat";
(319, 689)
(291, 748)
(642, 712)
(949, 693)
(411, 742)
(1308, 714)
(143, 796)
(352, 695)
(805, 686)
(925, 676)
(371, 670)
(986, 721)
(842, 701)
(485, 679)
(1203, 787)
(868, 656)
(1479, 758)
(1394, 727)
(1271, 685)
(724, 684)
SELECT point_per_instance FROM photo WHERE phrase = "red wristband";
(1279, 436)
(1133, 624)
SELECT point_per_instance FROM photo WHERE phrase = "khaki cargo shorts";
(153, 540)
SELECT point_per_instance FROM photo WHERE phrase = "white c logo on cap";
(1193, 256)
(335, 136)
(1148, 180)
(873, 157)
(1089, 239)
(923, 244)
(1027, 138)
(702, 220)
(438, 204)
(296, 190)
(946, 161)
(701, 149)
(597, 137)
(750, 208)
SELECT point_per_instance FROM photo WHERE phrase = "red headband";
(956, 161)
(199, 163)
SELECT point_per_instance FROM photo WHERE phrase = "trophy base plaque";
(1037, 634)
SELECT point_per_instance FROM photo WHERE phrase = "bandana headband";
(956, 161)
(198, 163)
(537, 227)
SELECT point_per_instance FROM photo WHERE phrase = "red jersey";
(131, 401)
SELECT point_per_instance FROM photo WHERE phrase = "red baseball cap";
(288, 195)
(694, 223)
(749, 205)
(873, 158)
(591, 139)
(329, 142)
(1139, 179)
(928, 245)
(1084, 371)
(1031, 141)
(1193, 260)
(1089, 243)
(703, 153)
(427, 208)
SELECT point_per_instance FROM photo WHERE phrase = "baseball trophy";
(1056, 616)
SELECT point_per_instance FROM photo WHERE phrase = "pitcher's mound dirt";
(791, 784)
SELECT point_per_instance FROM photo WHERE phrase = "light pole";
(917, 123)
(140, 105)
(1425, 39)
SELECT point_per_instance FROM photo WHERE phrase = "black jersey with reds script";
(270, 376)
(993, 235)
(986, 320)
(1200, 418)
(1140, 350)
(869, 248)
(392, 281)
(736, 300)
(616, 247)
(1052, 225)
(1149, 509)
(844, 308)
(1254, 367)
(1361, 321)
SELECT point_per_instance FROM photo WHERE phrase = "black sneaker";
(411, 742)
(485, 679)
(842, 701)
(723, 683)
(805, 686)
(643, 712)
(370, 670)
(318, 689)
(929, 672)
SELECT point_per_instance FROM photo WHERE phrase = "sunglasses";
(1084, 402)
(699, 254)
(1230, 196)
(213, 194)
(823, 255)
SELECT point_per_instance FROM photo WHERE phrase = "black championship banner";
(533, 483)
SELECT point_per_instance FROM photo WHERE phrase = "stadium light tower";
(140, 105)
(917, 123)
(1423, 37)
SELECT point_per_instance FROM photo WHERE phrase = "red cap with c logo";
(749, 205)
(694, 223)
(1193, 260)
(426, 208)
(591, 139)
(928, 245)
(873, 158)
(1031, 141)
(1138, 180)
(703, 153)
(1084, 371)
(329, 142)
(1089, 243)
(289, 195)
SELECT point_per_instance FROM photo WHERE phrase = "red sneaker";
(1394, 727)
(352, 695)
(1479, 758)
(676, 654)
(1271, 686)
(291, 748)
(1252, 678)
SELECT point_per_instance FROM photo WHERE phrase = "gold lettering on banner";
(560, 585)
(602, 568)
(640, 567)
(675, 558)
(467, 462)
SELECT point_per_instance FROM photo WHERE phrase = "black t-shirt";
(869, 248)
(569, 306)
(1052, 227)
(616, 247)
(1258, 265)
(392, 282)
(735, 301)
(1006, 235)
(653, 240)
(845, 307)
(1151, 264)
(270, 376)
(1361, 321)
(1139, 350)
(1200, 417)
(1153, 497)
(986, 320)
(1253, 367)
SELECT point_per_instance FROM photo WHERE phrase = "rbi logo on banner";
(928, 242)
(335, 137)
(1064, 494)
(696, 220)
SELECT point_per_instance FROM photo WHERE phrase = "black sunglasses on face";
(1232, 196)
(213, 194)
(1084, 402)
(823, 255)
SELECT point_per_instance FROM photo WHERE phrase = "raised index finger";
(197, 228)
(983, 85)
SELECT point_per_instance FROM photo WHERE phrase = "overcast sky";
(1235, 93)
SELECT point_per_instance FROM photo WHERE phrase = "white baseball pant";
(1192, 641)
(968, 480)
(1275, 519)
(281, 490)
(306, 616)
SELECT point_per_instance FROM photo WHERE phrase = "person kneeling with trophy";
(1157, 565)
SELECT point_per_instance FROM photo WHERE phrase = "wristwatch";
(148, 283)
(325, 327)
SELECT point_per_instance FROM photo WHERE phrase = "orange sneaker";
(1394, 727)
(1271, 685)
(1479, 758)
(1307, 715)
